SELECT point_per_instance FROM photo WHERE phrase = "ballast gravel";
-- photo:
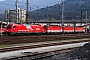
(82, 53)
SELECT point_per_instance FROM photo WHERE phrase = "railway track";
(39, 38)
(41, 54)
(41, 45)
(21, 49)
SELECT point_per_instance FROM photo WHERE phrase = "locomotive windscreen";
(8, 27)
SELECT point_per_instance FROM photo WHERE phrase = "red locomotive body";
(2, 27)
(24, 29)
(2, 30)
(54, 29)
(79, 29)
(37, 28)
(68, 29)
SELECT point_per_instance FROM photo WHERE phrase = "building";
(11, 15)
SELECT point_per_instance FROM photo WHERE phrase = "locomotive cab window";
(14, 26)
(45, 27)
(8, 27)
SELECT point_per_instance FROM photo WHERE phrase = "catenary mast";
(16, 11)
(27, 6)
(86, 20)
(62, 12)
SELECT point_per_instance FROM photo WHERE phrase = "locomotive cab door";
(14, 30)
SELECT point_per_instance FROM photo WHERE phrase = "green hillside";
(72, 10)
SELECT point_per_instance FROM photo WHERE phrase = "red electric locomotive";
(54, 29)
(3, 28)
(24, 29)
(72, 29)
(79, 29)
(68, 29)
